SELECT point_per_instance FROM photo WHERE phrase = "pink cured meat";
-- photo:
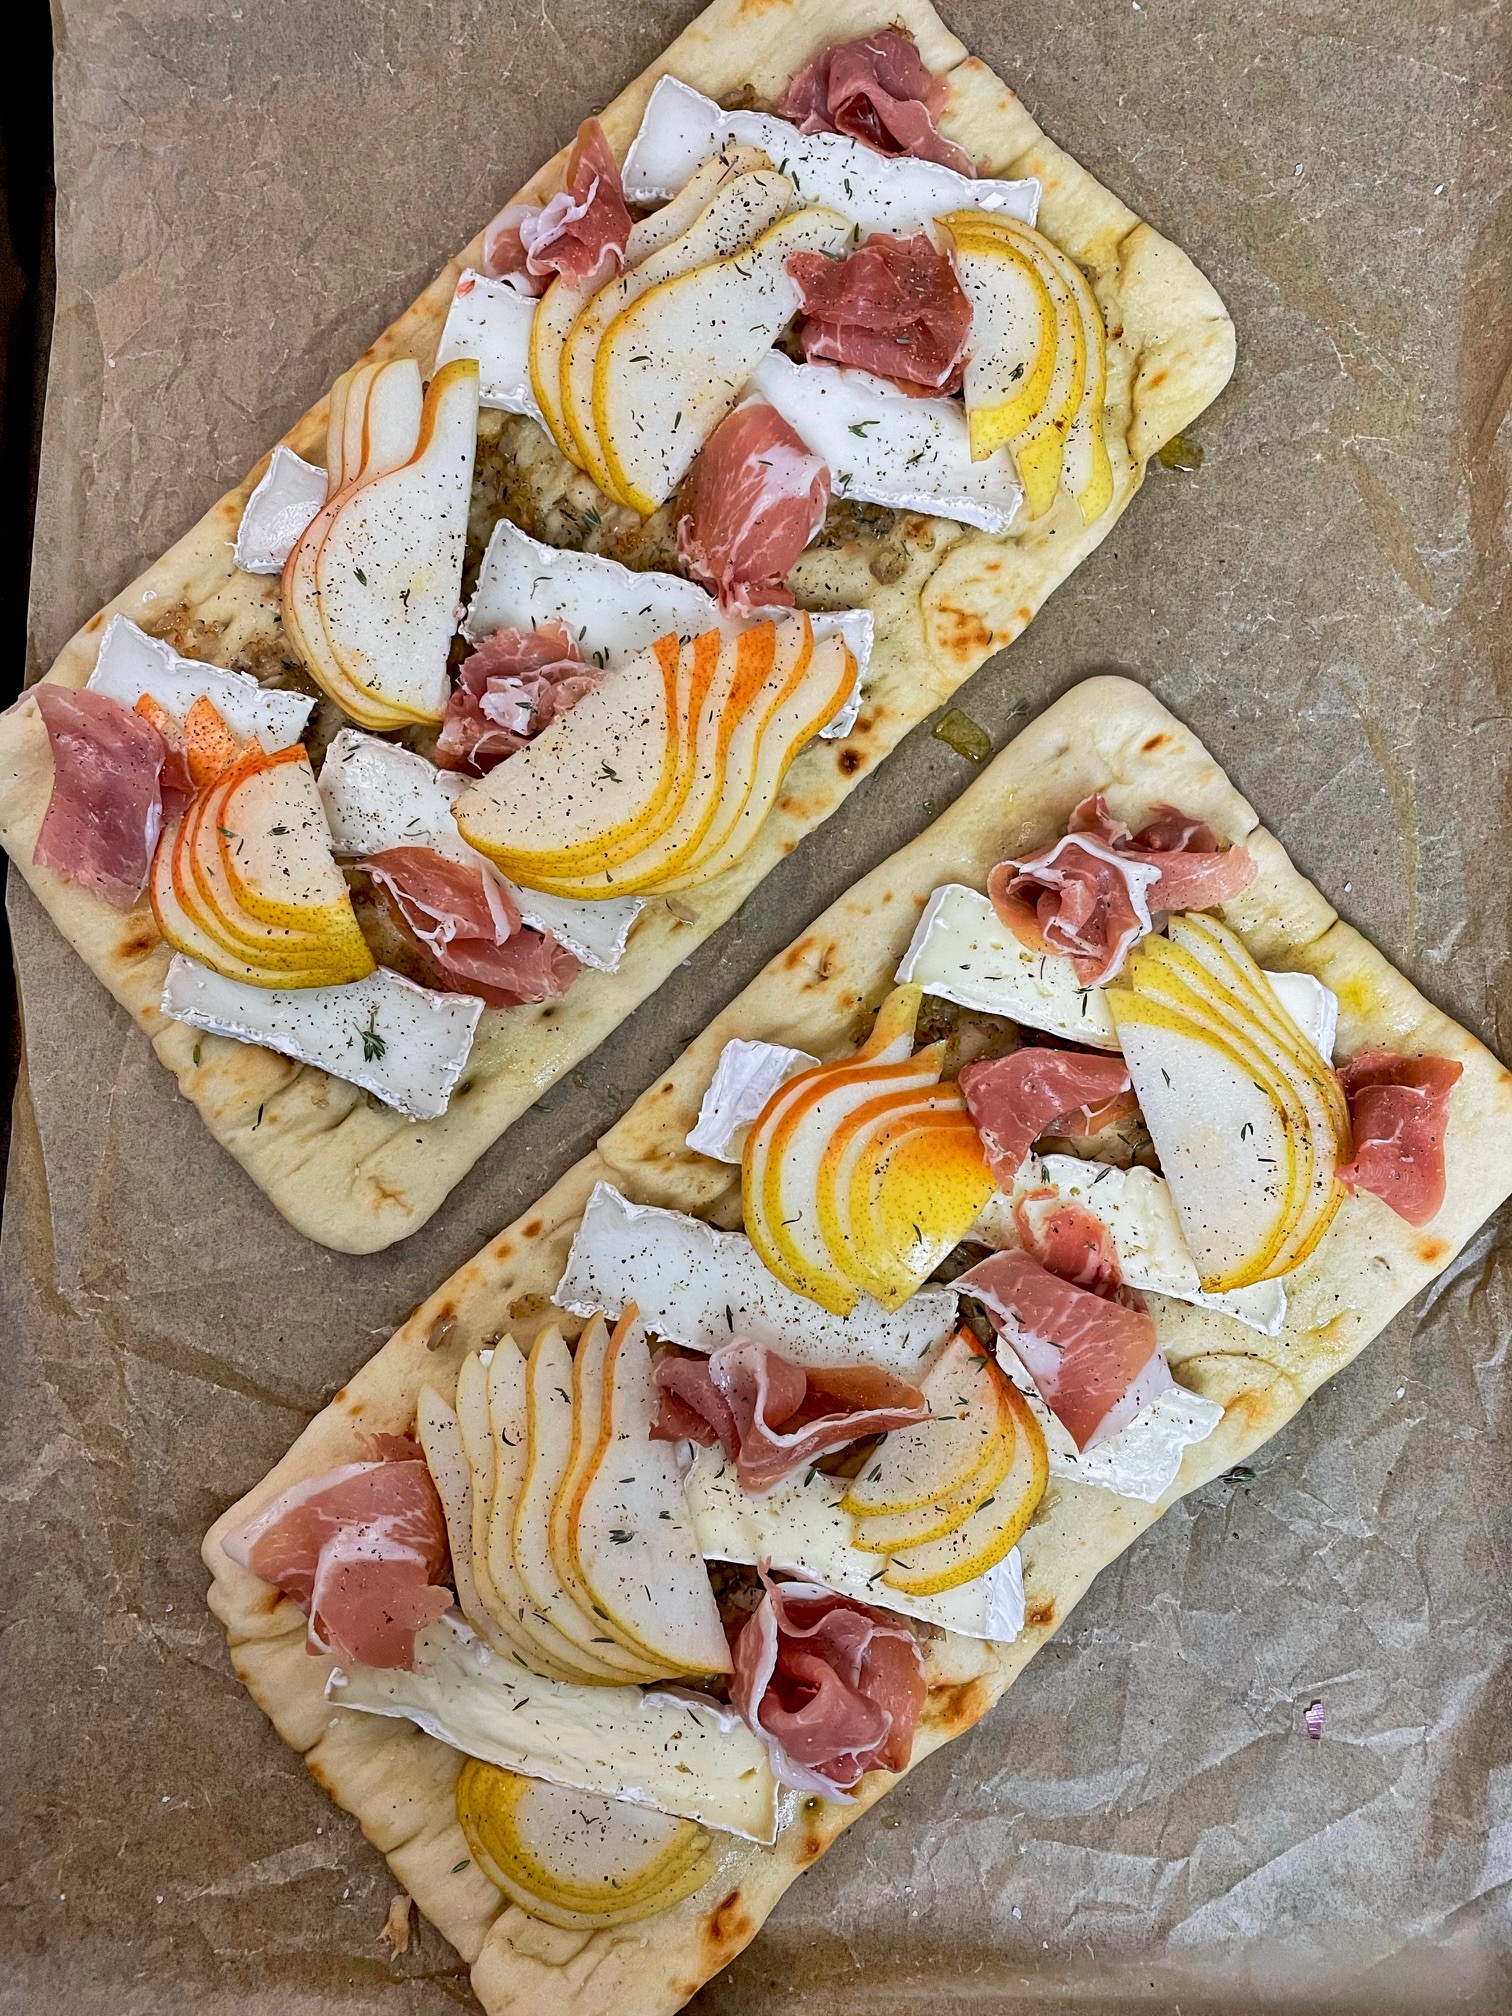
(1098, 890)
(1015, 1099)
(1399, 1112)
(362, 1550)
(878, 90)
(1093, 1357)
(579, 233)
(753, 499)
(511, 687)
(833, 1688)
(1068, 1240)
(112, 772)
(893, 306)
(773, 1417)
(470, 930)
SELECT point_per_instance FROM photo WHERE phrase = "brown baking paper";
(247, 194)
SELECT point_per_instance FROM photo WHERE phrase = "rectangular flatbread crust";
(358, 1176)
(819, 996)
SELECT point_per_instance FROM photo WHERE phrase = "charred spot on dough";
(956, 1706)
(1432, 1250)
(1153, 742)
(1040, 1615)
(828, 960)
(503, 1250)
(797, 955)
(730, 1924)
(387, 1195)
(809, 1848)
(535, 1228)
(139, 941)
(849, 761)
(964, 634)
(1156, 378)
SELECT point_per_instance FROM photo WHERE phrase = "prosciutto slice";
(753, 499)
(1015, 1099)
(114, 778)
(773, 1417)
(832, 1687)
(579, 233)
(1068, 1240)
(362, 1550)
(893, 306)
(1093, 1355)
(1098, 890)
(1399, 1111)
(507, 691)
(877, 90)
(469, 929)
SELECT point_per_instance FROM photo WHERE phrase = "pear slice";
(275, 840)
(509, 1433)
(916, 1190)
(984, 1418)
(1014, 333)
(437, 1433)
(548, 1375)
(587, 1428)
(205, 891)
(918, 1466)
(673, 364)
(738, 212)
(182, 929)
(996, 1525)
(392, 416)
(634, 1543)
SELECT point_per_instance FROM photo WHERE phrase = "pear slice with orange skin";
(916, 1192)
(936, 1459)
(996, 1526)
(204, 891)
(995, 1422)
(183, 931)
(588, 1356)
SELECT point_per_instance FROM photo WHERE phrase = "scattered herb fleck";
(373, 1045)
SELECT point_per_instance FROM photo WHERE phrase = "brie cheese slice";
(377, 794)
(884, 447)
(131, 663)
(615, 611)
(802, 1527)
(698, 1286)
(1142, 1459)
(1312, 1006)
(681, 129)
(679, 1752)
(403, 1043)
(745, 1077)
(491, 321)
(290, 493)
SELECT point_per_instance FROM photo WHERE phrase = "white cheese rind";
(614, 611)
(883, 447)
(1137, 1207)
(290, 493)
(1142, 1459)
(745, 1077)
(491, 321)
(377, 794)
(962, 951)
(425, 1037)
(680, 1753)
(801, 1526)
(681, 128)
(1312, 1006)
(698, 1286)
(131, 663)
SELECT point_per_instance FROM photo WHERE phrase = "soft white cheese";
(698, 1286)
(614, 611)
(801, 1526)
(290, 493)
(131, 663)
(403, 1043)
(883, 447)
(377, 794)
(1312, 1006)
(679, 1752)
(1142, 1459)
(1137, 1207)
(681, 129)
(745, 1077)
(490, 320)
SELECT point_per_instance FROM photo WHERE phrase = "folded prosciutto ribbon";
(752, 501)
(878, 90)
(1015, 1099)
(581, 231)
(511, 687)
(1097, 890)
(833, 1688)
(1399, 1112)
(773, 1417)
(115, 781)
(363, 1552)
(893, 307)
(468, 929)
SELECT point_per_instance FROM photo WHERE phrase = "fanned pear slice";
(672, 365)
(182, 929)
(548, 1375)
(200, 884)
(913, 1191)
(1014, 332)
(739, 210)
(440, 1438)
(986, 1415)
(276, 841)
(998, 1524)
(509, 1431)
(634, 1543)
(588, 1357)
(392, 415)
(914, 1467)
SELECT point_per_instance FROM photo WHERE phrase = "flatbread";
(819, 995)
(358, 1176)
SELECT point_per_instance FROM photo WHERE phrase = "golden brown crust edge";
(1107, 732)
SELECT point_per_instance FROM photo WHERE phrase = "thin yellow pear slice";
(336, 427)
(588, 1358)
(996, 1422)
(203, 888)
(1014, 333)
(182, 929)
(389, 431)
(997, 1525)
(635, 1546)
(548, 1375)
(847, 1166)
(509, 1430)
(917, 1192)
(672, 365)
(438, 1435)
(574, 1859)
(913, 1467)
